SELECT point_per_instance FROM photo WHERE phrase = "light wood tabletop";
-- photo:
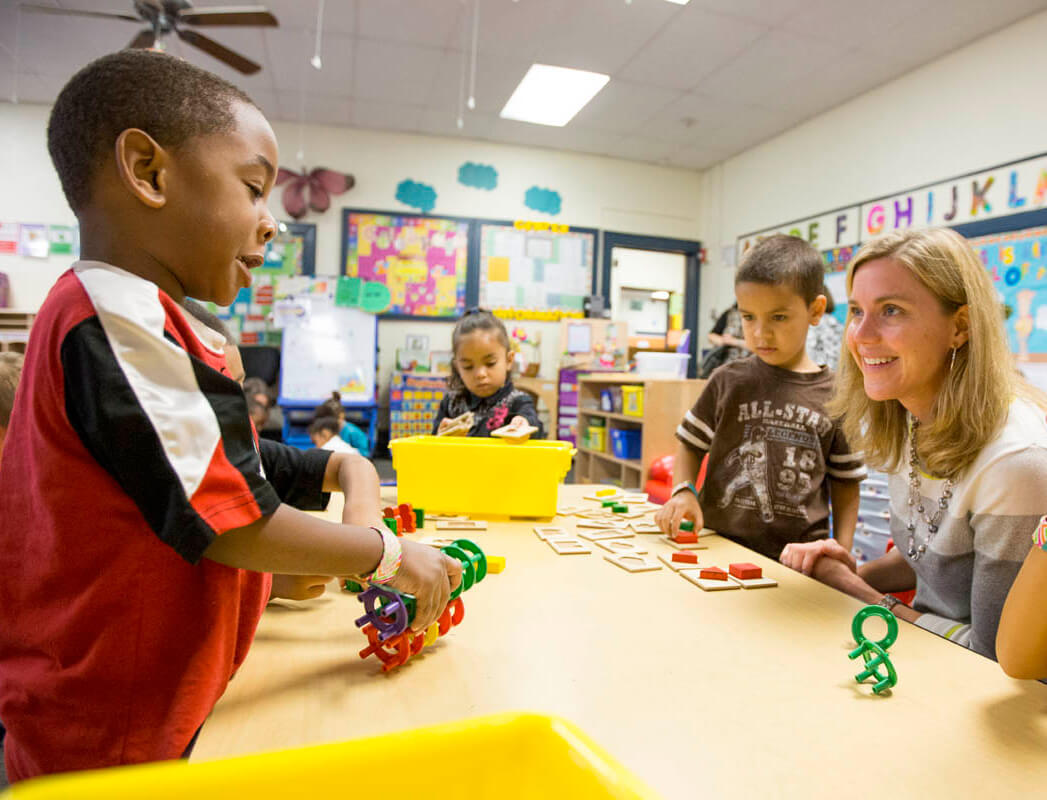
(745, 693)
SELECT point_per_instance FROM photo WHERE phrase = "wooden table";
(744, 693)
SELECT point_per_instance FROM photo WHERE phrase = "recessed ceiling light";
(680, 2)
(552, 95)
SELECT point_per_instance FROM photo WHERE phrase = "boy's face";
(217, 219)
(482, 362)
(775, 320)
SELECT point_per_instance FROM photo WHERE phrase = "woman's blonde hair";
(973, 402)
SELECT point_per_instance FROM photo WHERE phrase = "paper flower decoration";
(311, 190)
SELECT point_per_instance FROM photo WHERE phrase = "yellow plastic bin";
(505, 756)
(632, 401)
(598, 439)
(481, 477)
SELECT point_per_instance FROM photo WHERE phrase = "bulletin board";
(1017, 263)
(328, 348)
(422, 260)
(292, 251)
(527, 270)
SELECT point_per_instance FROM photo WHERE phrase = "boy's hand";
(804, 556)
(681, 506)
(299, 587)
(430, 576)
(445, 423)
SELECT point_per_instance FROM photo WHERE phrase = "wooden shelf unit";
(14, 329)
(665, 401)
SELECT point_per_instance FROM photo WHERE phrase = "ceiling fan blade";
(76, 12)
(221, 52)
(229, 15)
(145, 40)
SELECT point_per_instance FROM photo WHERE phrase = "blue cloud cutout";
(417, 195)
(479, 176)
(545, 200)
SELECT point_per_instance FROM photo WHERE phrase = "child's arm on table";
(684, 504)
(295, 543)
(1021, 639)
(845, 497)
(356, 478)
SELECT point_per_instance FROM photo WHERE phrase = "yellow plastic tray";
(503, 756)
(481, 477)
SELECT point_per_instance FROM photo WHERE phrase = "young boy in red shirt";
(137, 528)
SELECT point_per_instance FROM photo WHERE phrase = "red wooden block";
(744, 571)
(389, 511)
(686, 538)
(712, 574)
(406, 513)
(686, 558)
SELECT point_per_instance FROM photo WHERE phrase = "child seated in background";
(775, 456)
(324, 434)
(347, 432)
(258, 390)
(10, 372)
(479, 381)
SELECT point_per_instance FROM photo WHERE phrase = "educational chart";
(528, 271)
(292, 251)
(1017, 263)
(422, 260)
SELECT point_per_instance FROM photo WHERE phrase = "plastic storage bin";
(625, 443)
(669, 364)
(632, 401)
(597, 438)
(473, 475)
(508, 756)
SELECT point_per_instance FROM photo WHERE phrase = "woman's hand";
(445, 423)
(804, 556)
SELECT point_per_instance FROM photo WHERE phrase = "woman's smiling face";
(900, 336)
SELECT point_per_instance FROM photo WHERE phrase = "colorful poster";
(64, 239)
(33, 241)
(9, 238)
(420, 260)
(292, 251)
(1017, 262)
(527, 271)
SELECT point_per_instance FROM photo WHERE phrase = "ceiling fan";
(165, 16)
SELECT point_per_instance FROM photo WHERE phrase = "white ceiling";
(690, 85)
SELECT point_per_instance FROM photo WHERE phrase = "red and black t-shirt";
(130, 449)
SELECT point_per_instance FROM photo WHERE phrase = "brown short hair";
(782, 260)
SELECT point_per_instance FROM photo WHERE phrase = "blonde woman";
(929, 391)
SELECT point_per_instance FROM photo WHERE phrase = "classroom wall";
(973, 108)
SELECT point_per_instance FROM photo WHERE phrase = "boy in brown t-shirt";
(775, 456)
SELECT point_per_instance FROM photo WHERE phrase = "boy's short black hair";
(784, 260)
(166, 97)
(325, 424)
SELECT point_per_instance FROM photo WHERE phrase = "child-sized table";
(744, 693)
